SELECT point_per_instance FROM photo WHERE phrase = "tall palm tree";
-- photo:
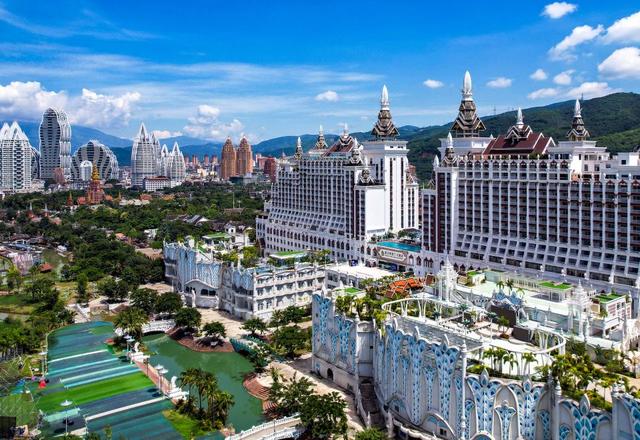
(510, 284)
(528, 358)
(131, 321)
(188, 378)
(223, 403)
(509, 358)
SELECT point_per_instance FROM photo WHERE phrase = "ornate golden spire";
(95, 175)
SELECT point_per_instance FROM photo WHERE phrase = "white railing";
(270, 429)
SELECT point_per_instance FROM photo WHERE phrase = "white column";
(463, 421)
(555, 416)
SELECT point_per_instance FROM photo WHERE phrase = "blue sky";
(211, 69)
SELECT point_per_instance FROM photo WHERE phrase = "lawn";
(17, 303)
(94, 391)
(560, 286)
(21, 406)
(185, 425)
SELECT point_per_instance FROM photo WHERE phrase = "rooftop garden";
(559, 286)
(217, 236)
(608, 297)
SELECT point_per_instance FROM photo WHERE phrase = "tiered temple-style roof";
(519, 140)
(321, 143)
(450, 158)
(578, 131)
(520, 130)
(467, 124)
(384, 127)
(345, 142)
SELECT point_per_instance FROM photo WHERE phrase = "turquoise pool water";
(399, 246)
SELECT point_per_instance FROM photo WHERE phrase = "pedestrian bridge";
(285, 428)
(154, 327)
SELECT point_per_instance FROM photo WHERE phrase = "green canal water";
(229, 368)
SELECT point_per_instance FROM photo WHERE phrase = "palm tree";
(223, 403)
(510, 284)
(131, 321)
(500, 285)
(490, 354)
(528, 358)
(189, 378)
(509, 358)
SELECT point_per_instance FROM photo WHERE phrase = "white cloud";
(500, 83)
(622, 63)
(563, 78)
(329, 95)
(538, 75)
(548, 92)
(557, 10)
(591, 90)
(28, 100)
(100, 110)
(163, 134)
(433, 83)
(581, 34)
(206, 124)
(625, 30)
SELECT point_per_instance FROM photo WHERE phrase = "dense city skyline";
(202, 72)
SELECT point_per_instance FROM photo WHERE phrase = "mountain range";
(613, 120)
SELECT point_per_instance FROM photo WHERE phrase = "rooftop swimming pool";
(399, 246)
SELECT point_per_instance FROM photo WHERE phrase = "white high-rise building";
(339, 197)
(175, 167)
(55, 144)
(151, 161)
(15, 160)
(520, 203)
(144, 157)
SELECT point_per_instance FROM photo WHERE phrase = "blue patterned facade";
(484, 392)
(420, 381)
(505, 413)
(191, 264)
(585, 420)
(528, 397)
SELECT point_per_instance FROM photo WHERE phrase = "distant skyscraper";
(176, 170)
(55, 144)
(228, 160)
(270, 168)
(244, 158)
(144, 160)
(15, 159)
(96, 154)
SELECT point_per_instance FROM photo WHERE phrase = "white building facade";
(520, 202)
(254, 292)
(339, 197)
(55, 143)
(16, 157)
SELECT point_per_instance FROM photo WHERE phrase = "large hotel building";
(338, 197)
(521, 202)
